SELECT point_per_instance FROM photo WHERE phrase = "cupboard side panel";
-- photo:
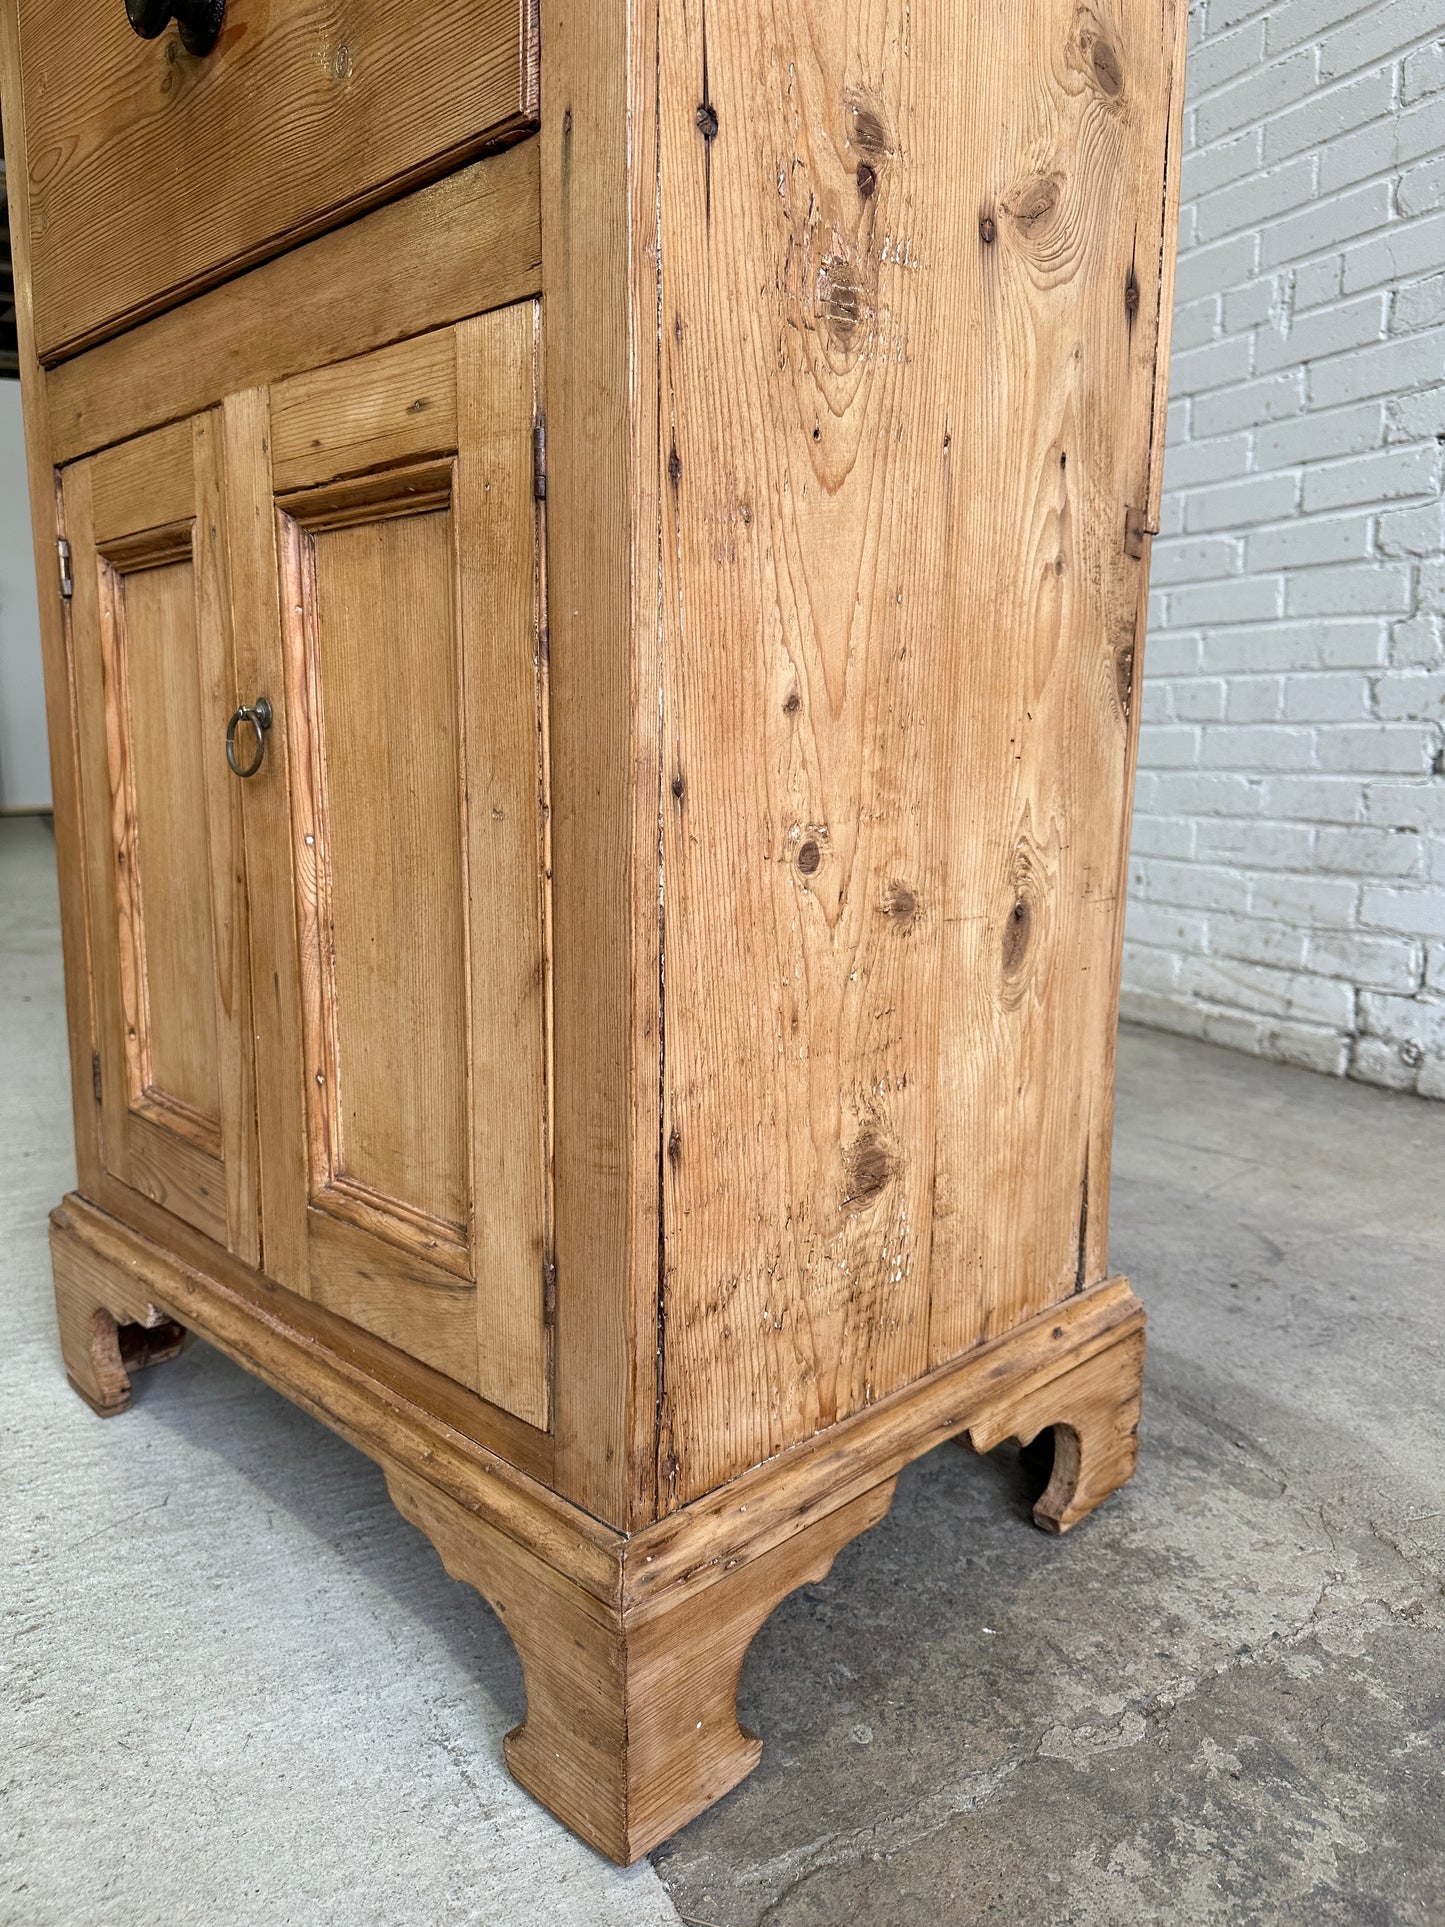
(803, 892)
(1065, 389)
(908, 368)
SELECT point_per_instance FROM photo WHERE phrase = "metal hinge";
(539, 458)
(67, 586)
(549, 1291)
(95, 1074)
(1136, 527)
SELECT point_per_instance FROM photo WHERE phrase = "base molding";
(631, 1644)
(631, 1726)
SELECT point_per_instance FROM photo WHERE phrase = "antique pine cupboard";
(594, 567)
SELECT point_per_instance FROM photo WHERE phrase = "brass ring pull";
(258, 715)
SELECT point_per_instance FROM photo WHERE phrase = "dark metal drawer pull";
(258, 715)
(199, 20)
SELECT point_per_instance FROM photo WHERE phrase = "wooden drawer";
(154, 173)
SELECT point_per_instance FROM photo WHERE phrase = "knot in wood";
(1016, 934)
(1107, 71)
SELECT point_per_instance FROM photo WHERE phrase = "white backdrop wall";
(24, 762)
(1288, 872)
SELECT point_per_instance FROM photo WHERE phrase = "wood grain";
(1173, 160)
(631, 1647)
(690, 908)
(390, 1076)
(1060, 432)
(1093, 1412)
(230, 909)
(505, 716)
(152, 173)
(409, 678)
(422, 1308)
(909, 363)
(166, 910)
(144, 484)
(327, 423)
(167, 1164)
(327, 1368)
(94, 882)
(691, 1548)
(394, 1374)
(277, 1037)
(598, 199)
(631, 1726)
(90, 1332)
(471, 241)
(167, 915)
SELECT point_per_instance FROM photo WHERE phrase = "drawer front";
(154, 173)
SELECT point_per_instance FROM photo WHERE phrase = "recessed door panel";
(386, 663)
(386, 920)
(150, 633)
(150, 613)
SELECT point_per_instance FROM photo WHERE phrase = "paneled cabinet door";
(396, 846)
(150, 634)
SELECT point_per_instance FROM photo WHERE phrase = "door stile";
(505, 812)
(270, 883)
(98, 814)
(215, 633)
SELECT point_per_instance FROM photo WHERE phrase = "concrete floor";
(237, 1687)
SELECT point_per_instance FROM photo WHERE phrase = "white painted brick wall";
(1287, 879)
